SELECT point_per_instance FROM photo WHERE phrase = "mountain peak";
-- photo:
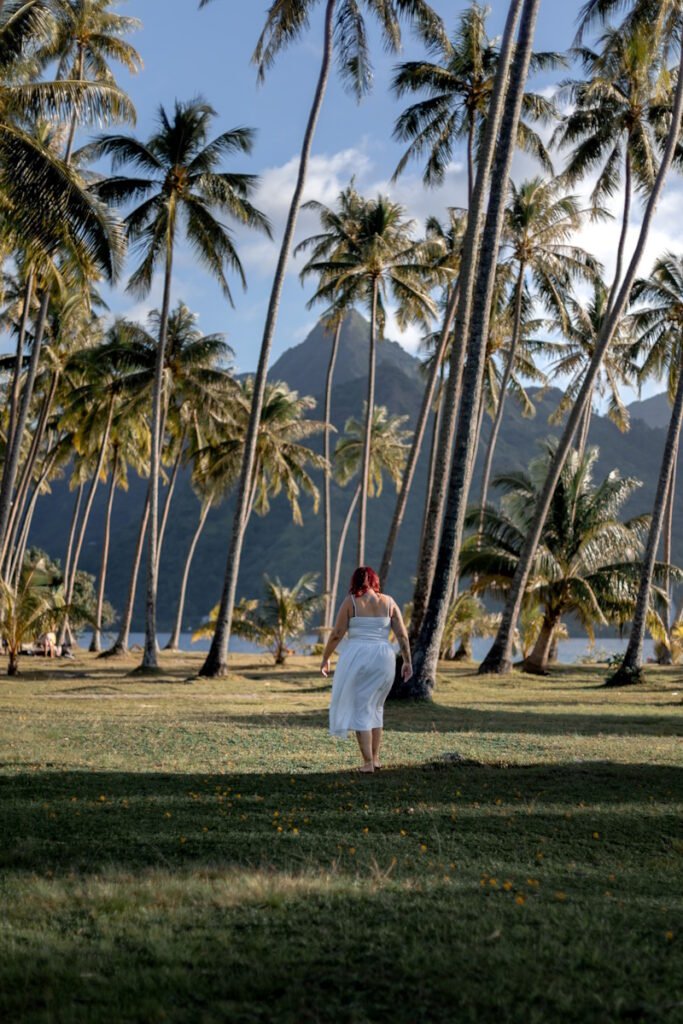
(304, 367)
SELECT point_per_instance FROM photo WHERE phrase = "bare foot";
(377, 766)
(367, 768)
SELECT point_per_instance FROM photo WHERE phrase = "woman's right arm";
(401, 634)
(337, 634)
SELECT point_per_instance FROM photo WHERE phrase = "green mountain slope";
(274, 544)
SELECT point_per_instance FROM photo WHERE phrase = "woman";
(366, 665)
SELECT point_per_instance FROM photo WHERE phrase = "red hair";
(364, 579)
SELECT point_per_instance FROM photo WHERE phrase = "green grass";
(205, 852)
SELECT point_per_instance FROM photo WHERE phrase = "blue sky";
(188, 52)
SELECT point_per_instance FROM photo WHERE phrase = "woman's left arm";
(336, 636)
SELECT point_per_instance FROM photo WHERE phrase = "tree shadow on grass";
(87, 821)
(442, 718)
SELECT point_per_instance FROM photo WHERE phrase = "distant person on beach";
(367, 664)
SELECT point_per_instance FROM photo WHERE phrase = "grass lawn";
(205, 852)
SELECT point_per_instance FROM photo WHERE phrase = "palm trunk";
(19, 504)
(216, 663)
(12, 455)
(74, 119)
(432, 465)
(470, 162)
(149, 660)
(72, 531)
(466, 281)
(507, 373)
(584, 427)
(96, 642)
(120, 646)
(367, 439)
(16, 377)
(426, 655)
(537, 662)
(174, 641)
(342, 543)
(327, 485)
(92, 491)
(14, 567)
(668, 535)
(630, 670)
(499, 657)
(169, 495)
(418, 439)
(628, 188)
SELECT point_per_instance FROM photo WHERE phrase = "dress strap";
(353, 602)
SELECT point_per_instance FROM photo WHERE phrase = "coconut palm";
(459, 86)
(389, 443)
(659, 343)
(540, 220)
(446, 249)
(29, 609)
(470, 312)
(613, 119)
(88, 35)
(467, 619)
(587, 563)
(580, 325)
(282, 460)
(379, 260)
(183, 187)
(280, 618)
(337, 225)
(344, 31)
(666, 17)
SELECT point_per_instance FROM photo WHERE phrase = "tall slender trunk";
(96, 642)
(668, 532)
(427, 649)
(28, 469)
(367, 437)
(463, 310)
(327, 483)
(628, 190)
(120, 645)
(216, 663)
(417, 441)
(499, 657)
(470, 161)
(504, 384)
(169, 496)
(432, 465)
(174, 641)
(584, 427)
(92, 491)
(14, 566)
(74, 118)
(342, 543)
(72, 531)
(12, 455)
(16, 376)
(630, 670)
(149, 659)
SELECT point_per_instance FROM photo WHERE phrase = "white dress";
(363, 676)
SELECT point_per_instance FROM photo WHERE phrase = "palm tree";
(472, 316)
(614, 116)
(30, 608)
(587, 562)
(337, 227)
(379, 259)
(389, 444)
(467, 619)
(459, 87)
(660, 341)
(87, 36)
(281, 458)
(580, 324)
(280, 618)
(345, 29)
(183, 186)
(449, 240)
(498, 660)
(540, 220)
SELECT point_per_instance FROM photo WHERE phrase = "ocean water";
(571, 652)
